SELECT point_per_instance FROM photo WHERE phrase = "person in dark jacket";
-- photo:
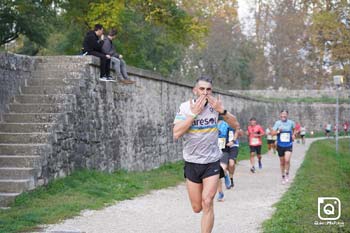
(92, 45)
(117, 59)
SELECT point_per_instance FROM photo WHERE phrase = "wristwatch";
(223, 113)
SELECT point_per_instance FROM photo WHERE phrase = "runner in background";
(284, 129)
(346, 128)
(302, 134)
(255, 132)
(271, 141)
(328, 128)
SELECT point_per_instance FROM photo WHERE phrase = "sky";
(246, 11)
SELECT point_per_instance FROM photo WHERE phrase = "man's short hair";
(284, 110)
(205, 79)
(98, 27)
(112, 32)
(252, 119)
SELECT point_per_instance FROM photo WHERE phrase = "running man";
(284, 129)
(196, 122)
(255, 133)
(271, 140)
(345, 128)
(228, 144)
(297, 132)
(234, 149)
(302, 134)
(328, 129)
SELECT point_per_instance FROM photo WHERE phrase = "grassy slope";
(322, 174)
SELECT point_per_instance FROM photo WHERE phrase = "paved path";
(169, 211)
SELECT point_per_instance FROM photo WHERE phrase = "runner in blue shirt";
(228, 143)
(284, 129)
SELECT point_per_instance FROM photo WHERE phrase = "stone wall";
(14, 70)
(132, 125)
(284, 93)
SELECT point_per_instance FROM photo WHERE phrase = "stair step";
(52, 82)
(19, 161)
(16, 173)
(39, 108)
(43, 99)
(24, 138)
(47, 74)
(24, 149)
(59, 66)
(7, 198)
(31, 117)
(62, 59)
(25, 127)
(15, 185)
(47, 90)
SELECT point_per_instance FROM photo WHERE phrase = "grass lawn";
(322, 174)
(66, 197)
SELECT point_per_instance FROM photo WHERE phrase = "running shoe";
(252, 169)
(227, 181)
(260, 164)
(283, 181)
(287, 178)
(220, 196)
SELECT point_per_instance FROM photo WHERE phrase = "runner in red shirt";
(297, 131)
(346, 127)
(255, 132)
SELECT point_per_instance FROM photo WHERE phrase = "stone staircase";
(29, 125)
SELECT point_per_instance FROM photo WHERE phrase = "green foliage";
(322, 174)
(152, 34)
(330, 35)
(29, 18)
(29, 47)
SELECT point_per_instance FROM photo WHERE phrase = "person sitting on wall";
(117, 59)
(92, 45)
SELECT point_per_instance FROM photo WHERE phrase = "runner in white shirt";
(196, 122)
(302, 134)
(271, 140)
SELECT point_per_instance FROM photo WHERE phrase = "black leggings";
(104, 62)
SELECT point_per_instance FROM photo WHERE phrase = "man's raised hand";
(216, 103)
(197, 107)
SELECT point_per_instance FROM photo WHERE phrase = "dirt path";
(244, 209)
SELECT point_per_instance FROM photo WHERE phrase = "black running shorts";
(282, 150)
(271, 141)
(196, 172)
(232, 154)
(256, 149)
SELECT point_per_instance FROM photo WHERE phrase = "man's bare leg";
(252, 162)
(209, 190)
(195, 194)
(287, 157)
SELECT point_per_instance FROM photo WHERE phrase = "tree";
(29, 18)
(152, 34)
(330, 36)
(226, 55)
